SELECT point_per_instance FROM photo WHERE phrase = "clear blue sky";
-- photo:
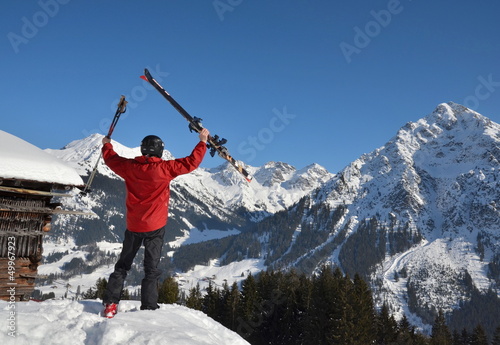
(285, 80)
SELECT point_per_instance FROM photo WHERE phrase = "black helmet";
(152, 146)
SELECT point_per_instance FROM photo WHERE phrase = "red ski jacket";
(147, 180)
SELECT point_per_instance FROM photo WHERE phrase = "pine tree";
(305, 304)
(194, 299)
(386, 326)
(419, 339)
(456, 337)
(464, 337)
(101, 285)
(347, 330)
(496, 337)
(96, 291)
(211, 302)
(250, 318)
(440, 333)
(125, 294)
(290, 307)
(325, 310)
(249, 297)
(271, 295)
(90, 293)
(231, 298)
(361, 300)
(281, 304)
(405, 332)
(479, 336)
(169, 291)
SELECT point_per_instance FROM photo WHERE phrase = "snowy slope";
(78, 322)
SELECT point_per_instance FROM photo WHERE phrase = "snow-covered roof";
(24, 161)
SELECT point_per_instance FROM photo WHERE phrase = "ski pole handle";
(122, 107)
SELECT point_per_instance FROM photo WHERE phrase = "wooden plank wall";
(21, 236)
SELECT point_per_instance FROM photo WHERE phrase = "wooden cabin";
(30, 180)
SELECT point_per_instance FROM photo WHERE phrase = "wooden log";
(32, 191)
(43, 210)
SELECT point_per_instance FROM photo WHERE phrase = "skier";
(147, 180)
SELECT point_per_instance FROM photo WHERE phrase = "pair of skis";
(214, 143)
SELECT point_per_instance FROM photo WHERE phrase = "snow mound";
(24, 161)
(79, 322)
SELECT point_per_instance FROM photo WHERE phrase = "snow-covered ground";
(79, 322)
(62, 321)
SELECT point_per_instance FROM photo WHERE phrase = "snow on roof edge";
(24, 161)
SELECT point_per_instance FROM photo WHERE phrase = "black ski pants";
(153, 244)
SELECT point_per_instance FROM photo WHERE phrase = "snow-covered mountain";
(418, 217)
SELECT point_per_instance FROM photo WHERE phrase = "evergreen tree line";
(290, 308)
(441, 334)
(328, 308)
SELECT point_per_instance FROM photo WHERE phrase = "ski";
(214, 143)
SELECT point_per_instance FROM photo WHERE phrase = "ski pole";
(122, 107)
